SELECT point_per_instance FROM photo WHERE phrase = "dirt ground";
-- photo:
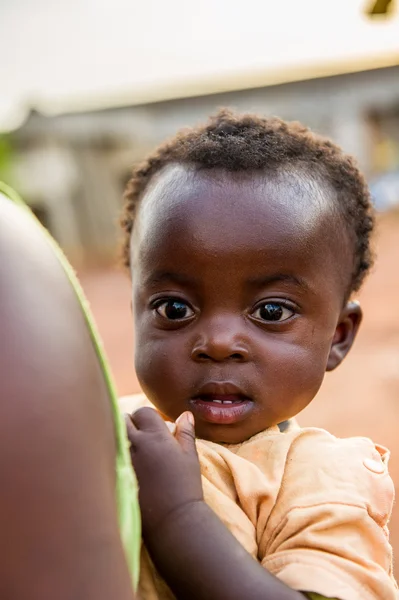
(360, 398)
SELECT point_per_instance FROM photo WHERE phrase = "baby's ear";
(345, 333)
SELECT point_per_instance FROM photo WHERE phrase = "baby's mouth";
(221, 404)
(225, 400)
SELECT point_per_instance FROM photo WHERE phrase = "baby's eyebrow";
(159, 277)
(266, 280)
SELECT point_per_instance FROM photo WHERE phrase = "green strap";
(126, 483)
(312, 596)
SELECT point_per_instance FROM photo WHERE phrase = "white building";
(72, 168)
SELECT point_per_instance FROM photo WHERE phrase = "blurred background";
(88, 87)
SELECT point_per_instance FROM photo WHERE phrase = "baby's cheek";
(311, 370)
(304, 368)
(157, 368)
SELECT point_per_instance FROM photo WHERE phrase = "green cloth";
(126, 483)
(318, 597)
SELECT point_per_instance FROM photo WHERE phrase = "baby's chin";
(228, 434)
(232, 440)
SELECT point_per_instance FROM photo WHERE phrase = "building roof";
(82, 55)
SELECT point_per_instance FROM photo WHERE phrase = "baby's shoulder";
(313, 446)
(319, 444)
(320, 448)
(322, 468)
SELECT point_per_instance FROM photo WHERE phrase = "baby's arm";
(192, 549)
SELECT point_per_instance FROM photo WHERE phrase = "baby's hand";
(166, 465)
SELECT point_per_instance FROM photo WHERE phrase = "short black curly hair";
(235, 143)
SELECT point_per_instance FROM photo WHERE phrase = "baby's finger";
(130, 426)
(148, 419)
(185, 432)
(130, 429)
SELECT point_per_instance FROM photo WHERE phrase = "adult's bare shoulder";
(59, 534)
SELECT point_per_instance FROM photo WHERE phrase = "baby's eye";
(174, 310)
(272, 311)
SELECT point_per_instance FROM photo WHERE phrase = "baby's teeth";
(223, 401)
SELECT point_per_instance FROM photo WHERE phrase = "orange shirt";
(311, 508)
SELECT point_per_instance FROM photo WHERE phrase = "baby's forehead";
(227, 217)
(234, 198)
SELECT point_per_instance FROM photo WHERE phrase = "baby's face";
(238, 287)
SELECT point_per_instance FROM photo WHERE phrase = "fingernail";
(188, 416)
(171, 426)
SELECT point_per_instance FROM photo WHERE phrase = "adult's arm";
(59, 533)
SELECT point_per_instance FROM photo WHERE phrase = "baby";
(246, 239)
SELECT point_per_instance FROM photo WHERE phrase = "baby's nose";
(220, 344)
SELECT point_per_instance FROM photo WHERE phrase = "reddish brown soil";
(360, 398)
